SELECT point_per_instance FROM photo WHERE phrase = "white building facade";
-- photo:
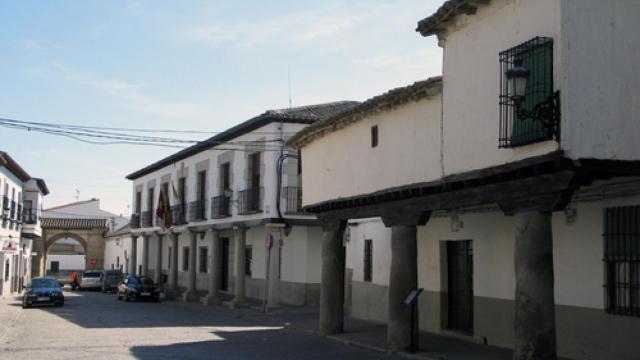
(517, 214)
(237, 228)
(19, 223)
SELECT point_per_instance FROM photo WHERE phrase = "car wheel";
(24, 305)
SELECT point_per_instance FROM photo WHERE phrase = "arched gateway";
(88, 232)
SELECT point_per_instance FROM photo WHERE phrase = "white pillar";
(158, 272)
(133, 257)
(273, 293)
(173, 273)
(191, 294)
(145, 255)
(239, 263)
(215, 269)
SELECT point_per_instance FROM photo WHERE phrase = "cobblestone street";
(95, 325)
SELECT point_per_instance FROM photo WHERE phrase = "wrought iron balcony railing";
(197, 210)
(220, 207)
(30, 216)
(147, 219)
(250, 201)
(134, 222)
(292, 199)
(178, 212)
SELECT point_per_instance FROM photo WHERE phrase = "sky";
(197, 65)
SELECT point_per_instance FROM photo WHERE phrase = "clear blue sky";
(204, 65)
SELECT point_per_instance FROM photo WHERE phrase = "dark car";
(43, 290)
(138, 287)
(111, 279)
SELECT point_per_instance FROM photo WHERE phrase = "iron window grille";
(197, 210)
(220, 207)
(622, 260)
(368, 260)
(178, 214)
(204, 256)
(250, 201)
(185, 259)
(536, 117)
(147, 219)
(135, 221)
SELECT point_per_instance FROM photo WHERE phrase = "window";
(202, 185)
(374, 136)
(169, 258)
(55, 266)
(6, 270)
(248, 258)
(182, 190)
(517, 125)
(225, 177)
(150, 199)
(204, 256)
(254, 170)
(622, 260)
(185, 259)
(368, 260)
(138, 202)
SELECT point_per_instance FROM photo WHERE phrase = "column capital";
(542, 203)
(331, 223)
(398, 216)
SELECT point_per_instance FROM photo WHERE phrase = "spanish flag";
(163, 211)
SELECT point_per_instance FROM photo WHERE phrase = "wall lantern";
(517, 77)
(546, 112)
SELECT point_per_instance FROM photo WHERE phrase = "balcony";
(178, 213)
(292, 200)
(220, 207)
(134, 222)
(197, 210)
(250, 201)
(147, 219)
(30, 216)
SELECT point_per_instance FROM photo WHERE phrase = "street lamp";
(517, 77)
(546, 112)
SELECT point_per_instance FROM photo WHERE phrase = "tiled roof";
(12, 165)
(446, 13)
(58, 223)
(71, 204)
(302, 115)
(389, 100)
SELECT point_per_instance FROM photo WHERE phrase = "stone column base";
(211, 300)
(189, 296)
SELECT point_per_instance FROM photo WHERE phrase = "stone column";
(332, 281)
(145, 255)
(402, 279)
(191, 294)
(173, 273)
(158, 272)
(273, 293)
(403, 276)
(240, 241)
(535, 328)
(133, 257)
(215, 269)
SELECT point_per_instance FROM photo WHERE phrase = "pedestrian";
(74, 280)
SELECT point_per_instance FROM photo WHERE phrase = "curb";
(379, 349)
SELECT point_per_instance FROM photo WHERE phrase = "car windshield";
(44, 283)
(145, 281)
(91, 275)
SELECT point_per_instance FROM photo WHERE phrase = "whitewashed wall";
(67, 262)
(343, 163)
(374, 230)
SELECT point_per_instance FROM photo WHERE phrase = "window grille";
(204, 256)
(368, 260)
(517, 129)
(622, 260)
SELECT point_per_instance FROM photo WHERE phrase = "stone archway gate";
(89, 232)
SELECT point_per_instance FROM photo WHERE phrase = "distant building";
(19, 224)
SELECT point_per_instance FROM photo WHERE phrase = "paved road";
(92, 325)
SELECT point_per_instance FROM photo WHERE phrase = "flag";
(163, 211)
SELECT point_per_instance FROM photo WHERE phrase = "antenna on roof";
(289, 80)
(77, 195)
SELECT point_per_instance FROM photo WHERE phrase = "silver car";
(90, 279)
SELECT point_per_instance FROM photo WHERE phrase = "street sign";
(92, 261)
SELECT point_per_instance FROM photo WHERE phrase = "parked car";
(138, 287)
(111, 279)
(90, 279)
(43, 290)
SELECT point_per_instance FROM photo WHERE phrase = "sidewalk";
(10, 311)
(374, 335)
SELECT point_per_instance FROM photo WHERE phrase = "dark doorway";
(224, 282)
(460, 275)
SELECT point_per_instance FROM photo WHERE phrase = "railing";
(292, 199)
(134, 222)
(30, 216)
(178, 212)
(147, 219)
(197, 210)
(250, 201)
(220, 207)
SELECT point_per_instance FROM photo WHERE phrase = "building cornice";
(446, 14)
(387, 101)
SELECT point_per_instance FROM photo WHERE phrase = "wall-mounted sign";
(268, 241)
(93, 261)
